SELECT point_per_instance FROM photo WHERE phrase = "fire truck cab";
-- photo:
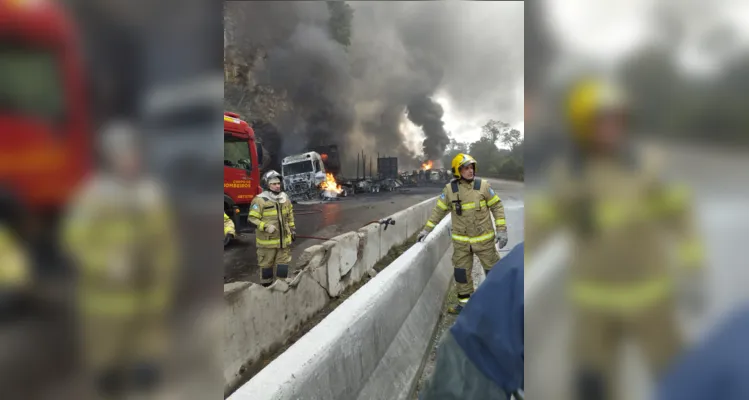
(45, 145)
(241, 170)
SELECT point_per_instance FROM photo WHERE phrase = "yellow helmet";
(461, 160)
(587, 99)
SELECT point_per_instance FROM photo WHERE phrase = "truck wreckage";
(314, 175)
(305, 178)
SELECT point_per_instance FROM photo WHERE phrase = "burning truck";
(305, 178)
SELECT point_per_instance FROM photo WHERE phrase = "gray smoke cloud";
(427, 114)
(403, 57)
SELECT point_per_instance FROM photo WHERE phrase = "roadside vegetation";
(505, 162)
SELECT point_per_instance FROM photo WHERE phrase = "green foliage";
(511, 138)
(493, 161)
(453, 149)
(493, 130)
(341, 15)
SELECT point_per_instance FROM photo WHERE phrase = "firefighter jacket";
(122, 240)
(268, 209)
(229, 226)
(475, 210)
(623, 222)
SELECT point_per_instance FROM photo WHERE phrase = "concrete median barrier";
(259, 320)
(372, 345)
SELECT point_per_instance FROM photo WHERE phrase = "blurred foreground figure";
(482, 357)
(119, 235)
(623, 220)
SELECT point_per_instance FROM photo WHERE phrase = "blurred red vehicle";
(241, 170)
(45, 138)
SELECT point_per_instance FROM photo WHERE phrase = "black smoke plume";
(402, 57)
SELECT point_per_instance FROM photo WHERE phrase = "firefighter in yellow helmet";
(273, 215)
(622, 219)
(476, 210)
(120, 237)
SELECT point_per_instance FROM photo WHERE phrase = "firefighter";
(229, 231)
(472, 202)
(273, 215)
(622, 219)
(119, 235)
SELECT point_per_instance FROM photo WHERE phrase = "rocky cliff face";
(258, 103)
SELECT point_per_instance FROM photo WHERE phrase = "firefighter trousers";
(274, 263)
(597, 345)
(463, 263)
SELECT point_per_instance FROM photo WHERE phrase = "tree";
(453, 149)
(493, 161)
(493, 130)
(339, 24)
(458, 147)
(511, 138)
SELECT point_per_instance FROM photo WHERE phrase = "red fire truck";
(45, 139)
(241, 171)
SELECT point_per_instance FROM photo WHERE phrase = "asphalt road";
(720, 182)
(325, 220)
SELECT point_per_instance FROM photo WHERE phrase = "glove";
(293, 235)
(501, 238)
(270, 228)
(422, 235)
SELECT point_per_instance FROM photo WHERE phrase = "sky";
(484, 79)
(621, 26)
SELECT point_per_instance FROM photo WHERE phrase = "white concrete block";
(314, 261)
(419, 214)
(395, 234)
(259, 319)
(364, 260)
(346, 251)
(371, 345)
(369, 246)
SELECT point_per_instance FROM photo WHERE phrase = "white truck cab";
(302, 175)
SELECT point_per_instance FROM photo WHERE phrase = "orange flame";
(427, 165)
(330, 185)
